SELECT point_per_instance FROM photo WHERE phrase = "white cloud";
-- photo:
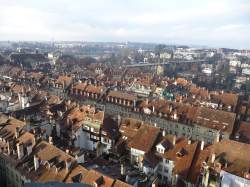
(211, 22)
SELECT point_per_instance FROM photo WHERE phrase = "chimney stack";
(36, 162)
(153, 109)
(217, 137)
(8, 147)
(20, 152)
(202, 145)
(122, 169)
(163, 133)
(174, 140)
(170, 107)
(119, 120)
(225, 164)
(213, 158)
(50, 140)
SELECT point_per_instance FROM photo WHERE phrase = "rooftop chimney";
(174, 140)
(51, 140)
(36, 162)
(8, 147)
(122, 169)
(213, 158)
(20, 152)
(217, 139)
(170, 107)
(202, 144)
(119, 120)
(225, 164)
(163, 133)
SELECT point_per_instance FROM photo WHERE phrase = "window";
(160, 150)
(160, 167)
(165, 179)
(165, 170)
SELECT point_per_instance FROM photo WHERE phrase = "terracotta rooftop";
(53, 99)
(235, 154)
(215, 119)
(119, 183)
(129, 128)
(182, 153)
(50, 155)
(94, 89)
(3, 119)
(76, 175)
(122, 95)
(80, 114)
(200, 157)
(93, 177)
(227, 98)
(145, 138)
(26, 137)
(80, 86)
(64, 79)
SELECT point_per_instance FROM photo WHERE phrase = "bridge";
(166, 63)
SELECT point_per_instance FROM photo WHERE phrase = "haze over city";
(212, 23)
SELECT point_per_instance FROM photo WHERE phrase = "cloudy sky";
(215, 23)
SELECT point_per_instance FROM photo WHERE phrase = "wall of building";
(165, 169)
(229, 180)
(194, 131)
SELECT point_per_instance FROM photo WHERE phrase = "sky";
(213, 23)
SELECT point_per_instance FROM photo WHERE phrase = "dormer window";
(181, 152)
(77, 178)
(160, 149)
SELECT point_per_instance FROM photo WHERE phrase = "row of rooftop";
(182, 137)
(160, 156)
